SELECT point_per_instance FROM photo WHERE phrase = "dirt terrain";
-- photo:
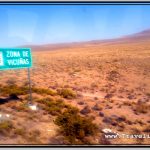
(108, 81)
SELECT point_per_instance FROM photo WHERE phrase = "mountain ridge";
(138, 37)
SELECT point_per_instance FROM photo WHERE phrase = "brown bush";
(141, 108)
(113, 75)
(52, 106)
(5, 127)
(67, 93)
(74, 126)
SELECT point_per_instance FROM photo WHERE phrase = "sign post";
(17, 58)
(30, 91)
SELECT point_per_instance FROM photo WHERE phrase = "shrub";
(21, 107)
(20, 131)
(146, 129)
(97, 107)
(86, 110)
(44, 100)
(11, 82)
(52, 106)
(16, 90)
(13, 89)
(141, 108)
(5, 127)
(127, 103)
(44, 91)
(148, 94)
(67, 93)
(94, 85)
(54, 110)
(113, 75)
(121, 118)
(75, 127)
(33, 136)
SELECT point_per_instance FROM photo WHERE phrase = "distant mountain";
(137, 38)
(141, 37)
(144, 35)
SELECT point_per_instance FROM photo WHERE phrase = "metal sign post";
(17, 58)
(30, 90)
(30, 104)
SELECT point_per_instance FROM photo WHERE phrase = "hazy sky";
(35, 24)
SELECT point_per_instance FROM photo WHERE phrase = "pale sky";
(24, 24)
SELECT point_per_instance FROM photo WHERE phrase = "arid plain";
(107, 81)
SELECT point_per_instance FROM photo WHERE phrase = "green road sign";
(15, 58)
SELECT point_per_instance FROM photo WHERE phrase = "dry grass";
(67, 93)
(5, 127)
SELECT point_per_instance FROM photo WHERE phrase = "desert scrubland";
(80, 91)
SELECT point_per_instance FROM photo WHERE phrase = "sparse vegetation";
(33, 136)
(21, 107)
(113, 75)
(141, 108)
(14, 89)
(20, 131)
(5, 127)
(67, 93)
(74, 126)
(146, 129)
(44, 91)
(148, 94)
(52, 106)
(11, 81)
(101, 82)
(97, 107)
(127, 103)
(86, 110)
